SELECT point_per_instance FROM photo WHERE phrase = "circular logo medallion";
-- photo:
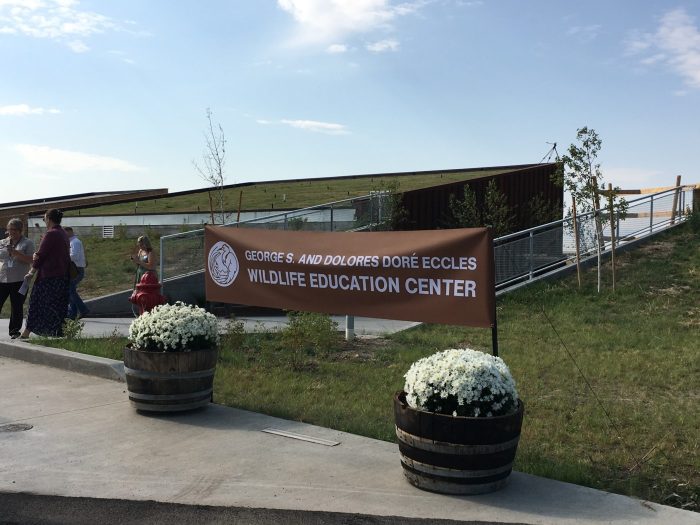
(223, 264)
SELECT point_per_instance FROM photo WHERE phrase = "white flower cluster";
(462, 382)
(174, 327)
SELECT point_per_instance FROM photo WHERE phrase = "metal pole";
(494, 335)
(651, 215)
(576, 241)
(612, 233)
(532, 255)
(332, 229)
(349, 327)
(682, 205)
(161, 266)
(494, 327)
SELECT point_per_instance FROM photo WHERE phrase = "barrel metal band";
(454, 473)
(453, 448)
(171, 397)
(179, 407)
(145, 374)
(449, 487)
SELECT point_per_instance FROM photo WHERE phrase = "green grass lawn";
(610, 381)
(285, 195)
(109, 268)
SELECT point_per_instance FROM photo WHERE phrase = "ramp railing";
(182, 254)
(529, 254)
(519, 257)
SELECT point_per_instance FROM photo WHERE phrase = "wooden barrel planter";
(454, 454)
(169, 381)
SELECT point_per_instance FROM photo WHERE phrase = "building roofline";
(514, 167)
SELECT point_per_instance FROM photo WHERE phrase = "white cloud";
(78, 46)
(585, 33)
(328, 20)
(327, 128)
(654, 59)
(71, 161)
(121, 55)
(60, 20)
(637, 42)
(336, 49)
(383, 46)
(675, 44)
(20, 110)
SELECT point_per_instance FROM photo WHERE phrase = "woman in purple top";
(48, 303)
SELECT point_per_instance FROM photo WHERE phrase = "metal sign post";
(349, 327)
(494, 326)
(494, 337)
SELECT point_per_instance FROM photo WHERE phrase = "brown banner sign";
(437, 276)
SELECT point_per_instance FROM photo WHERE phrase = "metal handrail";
(299, 212)
(522, 274)
(584, 216)
(551, 259)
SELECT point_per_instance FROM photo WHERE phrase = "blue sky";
(112, 95)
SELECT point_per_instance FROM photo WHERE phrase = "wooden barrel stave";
(169, 381)
(456, 455)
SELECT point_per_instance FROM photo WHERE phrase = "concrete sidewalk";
(87, 441)
(105, 326)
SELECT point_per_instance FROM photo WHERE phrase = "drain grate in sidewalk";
(15, 427)
(301, 437)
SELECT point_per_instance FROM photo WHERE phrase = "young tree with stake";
(213, 162)
(583, 179)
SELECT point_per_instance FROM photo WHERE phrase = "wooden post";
(612, 233)
(240, 199)
(598, 226)
(578, 255)
(675, 200)
(211, 208)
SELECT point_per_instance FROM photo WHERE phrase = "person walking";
(48, 303)
(76, 306)
(15, 257)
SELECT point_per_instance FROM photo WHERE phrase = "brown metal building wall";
(427, 207)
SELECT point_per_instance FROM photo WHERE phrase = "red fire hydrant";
(147, 293)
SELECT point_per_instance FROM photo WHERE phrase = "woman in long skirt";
(48, 303)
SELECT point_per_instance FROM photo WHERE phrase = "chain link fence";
(182, 254)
